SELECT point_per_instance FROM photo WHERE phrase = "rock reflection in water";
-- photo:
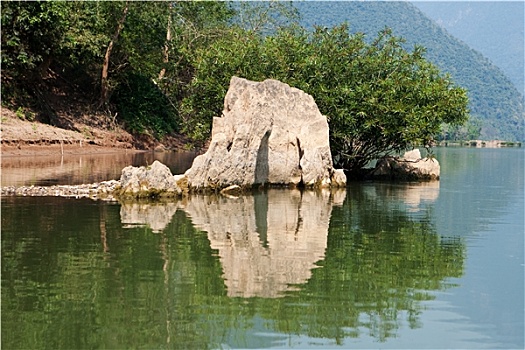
(154, 215)
(414, 195)
(267, 242)
(421, 193)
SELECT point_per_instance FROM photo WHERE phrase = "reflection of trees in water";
(380, 264)
(84, 168)
(383, 258)
(137, 288)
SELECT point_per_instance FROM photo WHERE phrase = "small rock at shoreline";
(410, 167)
(155, 180)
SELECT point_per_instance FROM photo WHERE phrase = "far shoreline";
(32, 150)
(480, 144)
(23, 149)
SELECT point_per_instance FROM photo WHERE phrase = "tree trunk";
(44, 66)
(104, 84)
(165, 52)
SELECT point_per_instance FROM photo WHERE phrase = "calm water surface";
(81, 169)
(378, 265)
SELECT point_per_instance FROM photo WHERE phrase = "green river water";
(378, 265)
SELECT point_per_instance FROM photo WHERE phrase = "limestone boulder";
(410, 167)
(155, 180)
(338, 178)
(269, 134)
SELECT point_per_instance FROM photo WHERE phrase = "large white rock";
(269, 133)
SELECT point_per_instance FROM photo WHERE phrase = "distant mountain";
(494, 28)
(494, 99)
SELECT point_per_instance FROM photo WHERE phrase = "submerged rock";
(232, 191)
(269, 134)
(410, 167)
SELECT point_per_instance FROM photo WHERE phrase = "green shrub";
(144, 108)
(379, 98)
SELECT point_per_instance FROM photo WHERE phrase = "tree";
(165, 51)
(378, 97)
(33, 37)
(160, 37)
(32, 34)
(266, 17)
(104, 85)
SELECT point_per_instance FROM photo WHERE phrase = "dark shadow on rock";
(261, 165)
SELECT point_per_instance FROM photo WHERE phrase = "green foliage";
(234, 53)
(144, 108)
(31, 32)
(24, 114)
(201, 15)
(379, 98)
(20, 113)
(493, 99)
(266, 17)
(32, 35)
(194, 27)
(74, 37)
(469, 131)
(139, 47)
(380, 93)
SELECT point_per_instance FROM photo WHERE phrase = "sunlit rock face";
(266, 243)
(269, 133)
(154, 180)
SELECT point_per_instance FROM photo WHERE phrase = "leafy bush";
(378, 97)
(144, 108)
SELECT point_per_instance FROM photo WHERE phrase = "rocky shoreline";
(269, 135)
(104, 190)
(156, 182)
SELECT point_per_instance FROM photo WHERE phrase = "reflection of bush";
(165, 289)
(380, 264)
(144, 108)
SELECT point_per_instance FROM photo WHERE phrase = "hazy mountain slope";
(493, 97)
(494, 28)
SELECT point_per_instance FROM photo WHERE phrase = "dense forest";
(164, 67)
(496, 105)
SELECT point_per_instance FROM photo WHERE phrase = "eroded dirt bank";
(22, 137)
